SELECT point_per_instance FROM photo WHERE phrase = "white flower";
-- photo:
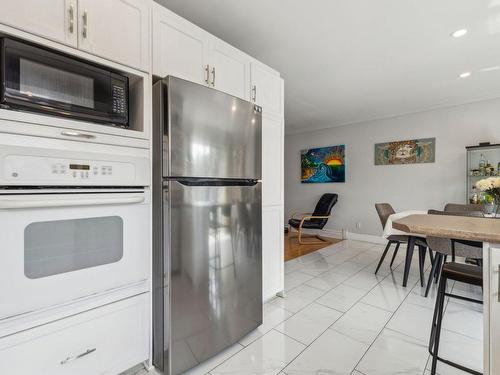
(488, 183)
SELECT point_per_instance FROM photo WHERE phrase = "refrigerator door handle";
(216, 182)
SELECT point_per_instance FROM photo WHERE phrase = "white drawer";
(115, 336)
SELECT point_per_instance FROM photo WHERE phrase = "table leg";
(409, 256)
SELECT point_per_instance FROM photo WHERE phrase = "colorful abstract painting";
(406, 152)
(324, 164)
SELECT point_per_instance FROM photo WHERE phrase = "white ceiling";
(348, 61)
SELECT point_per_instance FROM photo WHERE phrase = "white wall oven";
(63, 240)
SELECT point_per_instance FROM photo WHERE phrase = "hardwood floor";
(294, 250)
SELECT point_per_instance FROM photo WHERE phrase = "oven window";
(55, 247)
(46, 82)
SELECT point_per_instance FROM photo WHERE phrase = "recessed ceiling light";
(459, 33)
(465, 75)
(491, 68)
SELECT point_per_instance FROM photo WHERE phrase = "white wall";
(416, 186)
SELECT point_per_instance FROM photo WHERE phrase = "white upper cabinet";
(51, 19)
(117, 30)
(179, 47)
(272, 163)
(229, 69)
(267, 88)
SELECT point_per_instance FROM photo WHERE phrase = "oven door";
(59, 247)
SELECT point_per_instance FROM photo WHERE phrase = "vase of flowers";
(491, 186)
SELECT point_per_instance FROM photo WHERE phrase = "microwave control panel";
(23, 168)
(119, 104)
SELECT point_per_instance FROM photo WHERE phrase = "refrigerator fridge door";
(215, 268)
(207, 133)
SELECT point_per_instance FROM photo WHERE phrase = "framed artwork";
(323, 164)
(406, 152)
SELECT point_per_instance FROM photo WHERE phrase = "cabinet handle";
(85, 18)
(77, 134)
(254, 93)
(71, 15)
(207, 74)
(74, 358)
(213, 76)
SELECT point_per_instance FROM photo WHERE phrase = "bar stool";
(445, 247)
(464, 273)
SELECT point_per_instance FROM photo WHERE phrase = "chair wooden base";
(301, 236)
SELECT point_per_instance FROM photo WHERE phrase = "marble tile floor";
(337, 317)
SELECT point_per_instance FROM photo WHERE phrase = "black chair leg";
(395, 253)
(441, 264)
(383, 255)
(409, 257)
(435, 265)
(436, 334)
(422, 252)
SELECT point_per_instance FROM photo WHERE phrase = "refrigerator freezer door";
(210, 134)
(215, 269)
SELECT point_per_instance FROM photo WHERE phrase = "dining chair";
(316, 220)
(456, 207)
(445, 247)
(384, 210)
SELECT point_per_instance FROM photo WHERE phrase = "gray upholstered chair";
(444, 247)
(384, 210)
(456, 207)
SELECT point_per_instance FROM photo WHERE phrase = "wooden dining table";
(486, 230)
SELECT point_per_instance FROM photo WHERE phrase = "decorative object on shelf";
(491, 187)
(323, 164)
(406, 152)
(483, 161)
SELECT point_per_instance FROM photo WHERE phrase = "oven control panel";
(24, 168)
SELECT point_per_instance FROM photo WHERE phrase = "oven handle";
(44, 201)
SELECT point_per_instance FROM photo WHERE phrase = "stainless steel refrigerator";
(207, 261)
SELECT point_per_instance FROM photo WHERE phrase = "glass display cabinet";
(482, 161)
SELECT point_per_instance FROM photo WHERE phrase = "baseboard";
(332, 233)
(365, 237)
(346, 235)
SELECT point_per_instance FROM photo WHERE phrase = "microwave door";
(40, 80)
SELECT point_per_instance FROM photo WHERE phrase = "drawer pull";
(77, 134)
(71, 359)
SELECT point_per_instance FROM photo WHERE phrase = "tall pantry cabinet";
(182, 49)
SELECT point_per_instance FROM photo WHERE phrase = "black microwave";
(39, 80)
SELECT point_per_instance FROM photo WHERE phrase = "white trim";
(332, 233)
(365, 237)
(344, 234)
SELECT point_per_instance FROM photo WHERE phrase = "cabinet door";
(272, 161)
(52, 19)
(115, 29)
(267, 89)
(180, 48)
(229, 69)
(272, 251)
